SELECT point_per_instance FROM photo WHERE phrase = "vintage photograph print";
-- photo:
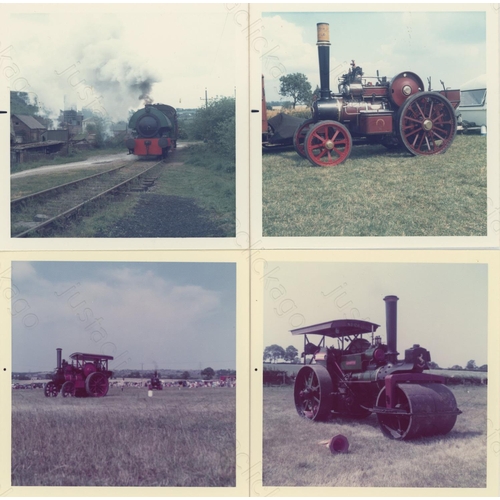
(122, 123)
(374, 124)
(375, 375)
(124, 374)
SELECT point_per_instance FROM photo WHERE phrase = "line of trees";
(274, 352)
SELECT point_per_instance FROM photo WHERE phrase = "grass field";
(377, 192)
(176, 438)
(292, 454)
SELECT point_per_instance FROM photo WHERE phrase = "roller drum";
(431, 410)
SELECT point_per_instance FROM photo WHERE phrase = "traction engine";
(155, 382)
(365, 377)
(397, 113)
(87, 375)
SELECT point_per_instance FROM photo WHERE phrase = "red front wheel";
(327, 144)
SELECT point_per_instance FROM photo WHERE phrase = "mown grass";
(176, 438)
(377, 192)
(292, 455)
(72, 157)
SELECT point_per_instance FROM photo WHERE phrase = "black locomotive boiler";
(154, 131)
(363, 376)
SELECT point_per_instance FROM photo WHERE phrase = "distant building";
(56, 135)
(27, 129)
(72, 121)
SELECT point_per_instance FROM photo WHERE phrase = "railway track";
(38, 211)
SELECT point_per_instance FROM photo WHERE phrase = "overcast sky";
(442, 307)
(109, 55)
(169, 315)
(448, 46)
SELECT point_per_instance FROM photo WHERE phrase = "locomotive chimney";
(59, 356)
(324, 59)
(391, 323)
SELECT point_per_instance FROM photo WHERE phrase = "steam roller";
(361, 376)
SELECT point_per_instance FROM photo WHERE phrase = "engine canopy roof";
(89, 357)
(338, 328)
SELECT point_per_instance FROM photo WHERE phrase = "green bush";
(215, 125)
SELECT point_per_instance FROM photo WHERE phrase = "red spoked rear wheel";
(328, 143)
(97, 385)
(427, 124)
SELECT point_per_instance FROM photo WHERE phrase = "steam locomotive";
(362, 376)
(155, 131)
(397, 113)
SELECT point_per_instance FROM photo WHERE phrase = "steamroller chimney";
(391, 323)
(59, 356)
(324, 59)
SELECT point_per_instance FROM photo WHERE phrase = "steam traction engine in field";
(87, 375)
(396, 113)
(363, 376)
(155, 382)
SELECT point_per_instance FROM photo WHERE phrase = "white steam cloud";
(93, 65)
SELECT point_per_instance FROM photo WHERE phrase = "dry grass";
(293, 457)
(176, 438)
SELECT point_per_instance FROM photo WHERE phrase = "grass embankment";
(176, 438)
(209, 179)
(60, 160)
(293, 456)
(377, 192)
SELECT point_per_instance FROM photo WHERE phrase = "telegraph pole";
(206, 98)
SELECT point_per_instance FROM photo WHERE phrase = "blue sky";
(169, 315)
(442, 307)
(448, 46)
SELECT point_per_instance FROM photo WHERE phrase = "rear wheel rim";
(427, 124)
(312, 392)
(97, 385)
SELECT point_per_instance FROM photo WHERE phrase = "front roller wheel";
(312, 392)
(427, 124)
(424, 410)
(327, 144)
(97, 385)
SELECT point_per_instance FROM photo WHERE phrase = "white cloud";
(124, 310)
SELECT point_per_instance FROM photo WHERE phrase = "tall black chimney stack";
(324, 59)
(391, 323)
(59, 356)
